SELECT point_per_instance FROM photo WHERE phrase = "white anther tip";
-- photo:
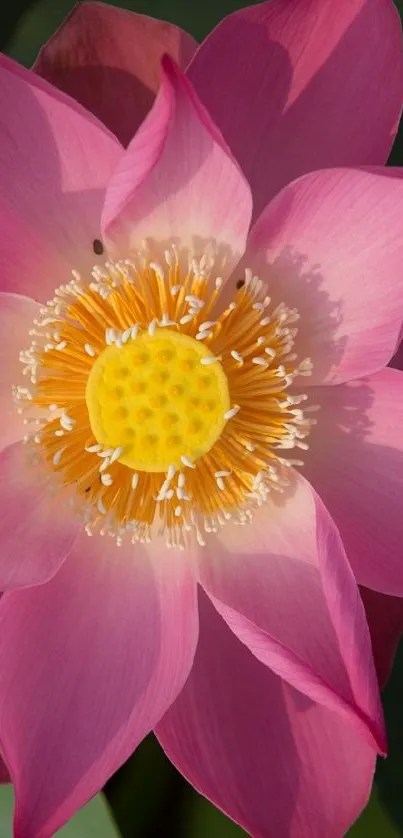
(171, 471)
(187, 462)
(232, 412)
(210, 359)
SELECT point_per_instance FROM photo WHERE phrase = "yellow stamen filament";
(166, 411)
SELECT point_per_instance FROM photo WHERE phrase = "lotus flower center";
(162, 401)
(154, 399)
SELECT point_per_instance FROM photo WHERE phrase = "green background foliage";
(147, 798)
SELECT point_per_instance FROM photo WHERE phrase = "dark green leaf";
(93, 821)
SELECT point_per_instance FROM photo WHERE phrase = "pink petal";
(355, 462)
(385, 620)
(177, 181)
(103, 650)
(107, 57)
(284, 586)
(273, 760)
(397, 360)
(55, 162)
(16, 318)
(331, 245)
(4, 775)
(37, 530)
(298, 86)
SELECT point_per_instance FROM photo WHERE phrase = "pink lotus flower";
(171, 393)
(267, 106)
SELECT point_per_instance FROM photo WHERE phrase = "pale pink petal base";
(37, 529)
(292, 89)
(355, 463)
(284, 586)
(17, 314)
(177, 183)
(276, 762)
(331, 246)
(103, 650)
(109, 60)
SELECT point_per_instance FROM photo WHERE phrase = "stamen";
(66, 422)
(57, 457)
(237, 356)
(171, 471)
(101, 507)
(196, 302)
(116, 454)
(209, 359)
(110, 336)
(126, 335)
(230, 413)
(186, 462)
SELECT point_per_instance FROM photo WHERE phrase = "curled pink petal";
(16, 318)
(292, 89)
(285, 587)
(355, 462)
(55, 162)
(276, 762)
(331, 246)
(106, 57)
(37, 529)
(177, 182)
(103, 650)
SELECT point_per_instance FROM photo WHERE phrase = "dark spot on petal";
(98, 247)
(240, 283)
(87, 489)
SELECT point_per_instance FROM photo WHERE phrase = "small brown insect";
(98, 247)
